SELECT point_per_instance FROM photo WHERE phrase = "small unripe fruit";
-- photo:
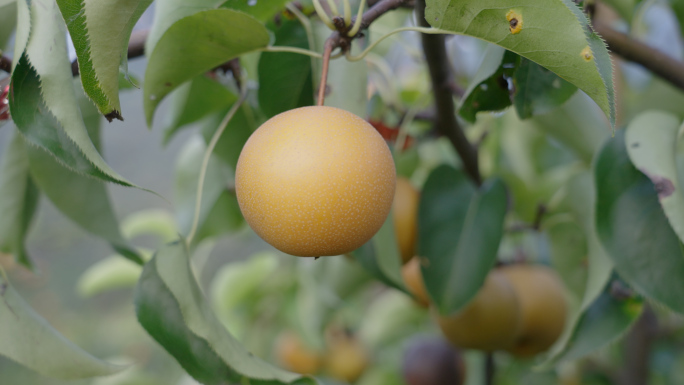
(433, 361)
(413, 278)
(315, 181)
(491, 321)
(346, 358)
(543, 308)
(405, 207)
(292, 354)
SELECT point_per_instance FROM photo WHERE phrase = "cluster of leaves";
(614, 212)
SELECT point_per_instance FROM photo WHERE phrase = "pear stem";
(329, 46)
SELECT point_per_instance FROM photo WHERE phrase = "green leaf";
(538, 90)
(194, 101)
(459, 231)
(236, 282)
(196, 44)
(607, 319)
(27, 338)
(170, 306)
(100, 31)
(261, 10)
(234, 137)
(580, 198)
(380, 256)
(8, 21)
(651, 140)
(553, 34)
(43, 102)
(634, 230)
(224, 218)
(109, 274)
(153, 222)
(489, 91)
(569, 255)
(167, 12)
(19, 200)
(84, 200)
(578, 124)
(284, 73)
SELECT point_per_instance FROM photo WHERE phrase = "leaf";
(84, 200)
(151, 221)
(489, 90)
(167, 12)
(196, 44)
(194, 101)
(459, 231)
(569, 255)
(19, 201)
(43, 102)
(553, 34)
(170, 306)
(235, 282)
(634, 230)
(284, 73)
(578, 124)
(27, 338)
(100, 31)
(651, 140)
(106, 275)
(380, 256)
(581, 201)
(261, 10)
(538, 90)
(607, 319)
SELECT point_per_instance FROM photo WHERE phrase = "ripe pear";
(543, 308)
(294, 355)
(491, 321)
(346, 358)
(413, 278)
(315, 181)
(405, 206)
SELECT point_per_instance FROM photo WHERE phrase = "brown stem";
(630, 49)
(637, 348)
(327, 51)
(489, 369)
(438, 64)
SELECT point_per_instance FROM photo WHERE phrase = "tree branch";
(630, 49)
(438, 64)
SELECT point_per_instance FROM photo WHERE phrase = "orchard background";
(541, 135)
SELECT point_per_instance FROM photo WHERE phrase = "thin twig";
(438, 63)
(630, 49)
(327, 51)
(205, 162)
